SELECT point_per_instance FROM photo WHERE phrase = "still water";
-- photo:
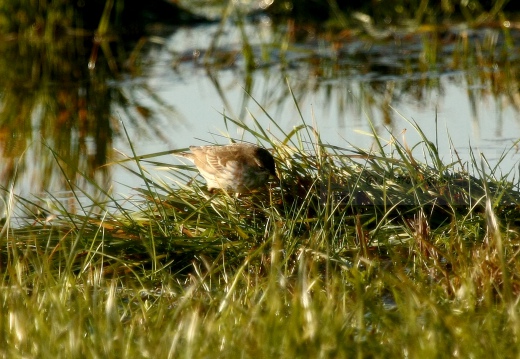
(459, 85)
(460, 107)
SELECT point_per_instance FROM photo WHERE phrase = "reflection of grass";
(55, 92)
(44, 97)
(353, 253)
(368, 60)
(355, 73)
(338, 13)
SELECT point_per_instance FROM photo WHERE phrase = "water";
(460, 87)
(458, 108)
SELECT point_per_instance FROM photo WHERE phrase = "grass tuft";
(381, 252)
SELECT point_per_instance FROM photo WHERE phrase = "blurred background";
(74, 72)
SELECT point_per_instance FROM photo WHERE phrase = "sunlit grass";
(354, 253)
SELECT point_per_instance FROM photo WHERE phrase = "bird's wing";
(208, 159)
(214, 162)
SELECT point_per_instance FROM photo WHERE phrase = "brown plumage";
(238, 168)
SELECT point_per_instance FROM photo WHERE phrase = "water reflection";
(60, 122)
(347, 77)
(54, 113)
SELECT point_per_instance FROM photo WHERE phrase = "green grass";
(355, 253)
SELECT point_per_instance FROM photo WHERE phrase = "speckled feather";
(239, 167)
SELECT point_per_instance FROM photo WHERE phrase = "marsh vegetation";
(387, 251)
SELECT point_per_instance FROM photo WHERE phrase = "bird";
(237, 168)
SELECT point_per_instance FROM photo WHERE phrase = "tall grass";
(355, 253)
